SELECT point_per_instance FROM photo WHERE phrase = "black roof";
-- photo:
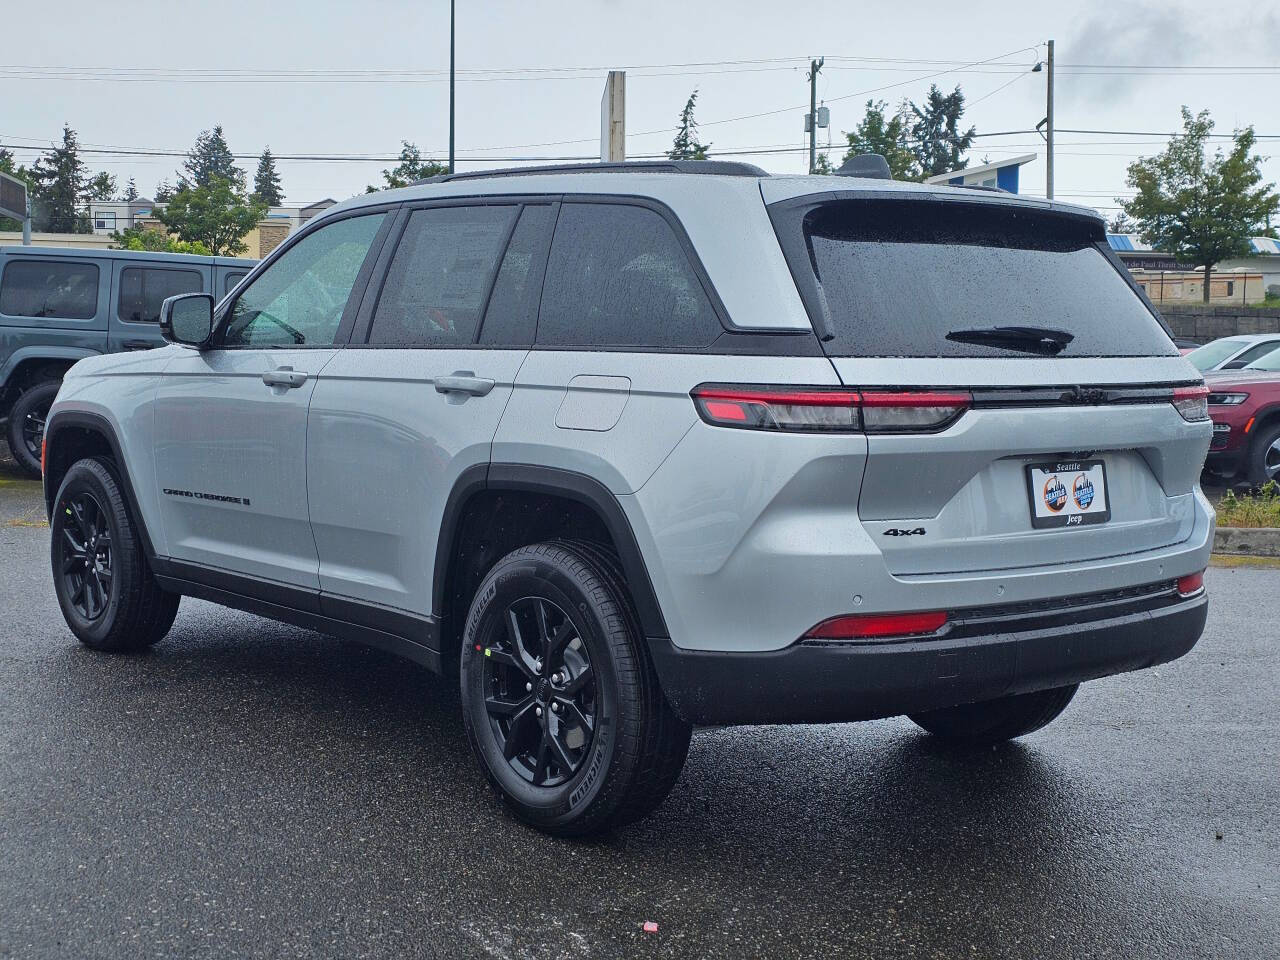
(723, 168)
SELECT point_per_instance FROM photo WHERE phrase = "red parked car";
(1245, 408)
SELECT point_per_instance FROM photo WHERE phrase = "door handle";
(284, 377)
(464, 381)
(138, 344)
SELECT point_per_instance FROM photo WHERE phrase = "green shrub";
(1252, 510)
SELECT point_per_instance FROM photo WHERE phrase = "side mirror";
(187, 319)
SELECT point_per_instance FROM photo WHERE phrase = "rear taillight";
(827, 410)
(878, 626)
(1192, 402)
(1191, 584)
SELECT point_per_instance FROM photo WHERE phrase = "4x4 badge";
(903, 532)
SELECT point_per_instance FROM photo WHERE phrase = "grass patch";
(1243, 560)
(1251, 510)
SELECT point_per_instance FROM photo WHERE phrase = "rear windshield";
(1211, 354)
(899, 277)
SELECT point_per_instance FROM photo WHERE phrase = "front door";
(231, 421)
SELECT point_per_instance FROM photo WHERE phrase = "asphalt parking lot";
(255, 790)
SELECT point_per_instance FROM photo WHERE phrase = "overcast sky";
(743, 57)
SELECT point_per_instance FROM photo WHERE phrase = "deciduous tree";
(412, 167)
(1201, 208)
(217, 215)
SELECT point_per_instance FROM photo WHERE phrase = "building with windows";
(1241, 280)
(1001, 175)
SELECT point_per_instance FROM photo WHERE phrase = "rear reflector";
(863, 626)
(1191, 584)
(1192, 402)
(827, 410)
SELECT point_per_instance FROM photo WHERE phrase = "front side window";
(299, 299)
(1213, 353)
(618, 276)
(143, 289)
(439, 278)
(49, 288)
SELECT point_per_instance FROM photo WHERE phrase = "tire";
(1264, 457)
(26, 424)
(92, 535)
(994, 721)
(606, 747)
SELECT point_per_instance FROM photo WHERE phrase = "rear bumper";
(983, 654)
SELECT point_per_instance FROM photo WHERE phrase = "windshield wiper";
(1042, 340)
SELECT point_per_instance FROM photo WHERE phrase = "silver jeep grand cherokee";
(629, 448)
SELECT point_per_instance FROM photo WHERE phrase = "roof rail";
(723, 168)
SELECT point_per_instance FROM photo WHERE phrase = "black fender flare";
(531, 478)
(63, 420)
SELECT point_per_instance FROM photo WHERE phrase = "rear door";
(138, 288)
(414, 400)
(231, 421)
(1055, 453)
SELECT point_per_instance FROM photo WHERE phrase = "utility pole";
(814, 67)
(451, 81)
(1048, 133)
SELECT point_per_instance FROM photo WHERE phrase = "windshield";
(912, 278)
(1211, 354)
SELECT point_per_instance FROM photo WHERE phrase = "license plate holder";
(1068, 493)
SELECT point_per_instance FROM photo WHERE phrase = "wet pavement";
(255, 790)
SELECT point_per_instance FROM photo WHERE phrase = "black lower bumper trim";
(840, 682)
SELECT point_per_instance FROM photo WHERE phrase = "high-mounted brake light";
(826, 410)
(878, 626)
(1192, 402)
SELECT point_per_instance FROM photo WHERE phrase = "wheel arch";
(75, 434)
(474, 507)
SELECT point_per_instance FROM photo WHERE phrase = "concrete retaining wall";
(1209, 323)
(1254, 542)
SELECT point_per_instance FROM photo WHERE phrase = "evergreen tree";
(210, 157)
(102, 187)
(1201, 209)
(886, 136)
(686, 145)
(130, 192)
(936, 139)
(411, 169)
(266, 182)
(61, 186)
(164, 192)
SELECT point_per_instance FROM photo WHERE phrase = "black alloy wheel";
(540, 691)
(86, 555)
(33, 430)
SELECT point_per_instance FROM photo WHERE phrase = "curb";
(1255, 541)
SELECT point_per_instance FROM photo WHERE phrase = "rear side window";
(49, 288)
(618, 276)
(143, 289)
(440, 276)
(902, 278)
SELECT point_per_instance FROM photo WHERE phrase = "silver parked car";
(1233, 353)
(630, 448)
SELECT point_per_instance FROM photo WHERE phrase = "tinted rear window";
(49, 288)
(899, 276)
(618, 276)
